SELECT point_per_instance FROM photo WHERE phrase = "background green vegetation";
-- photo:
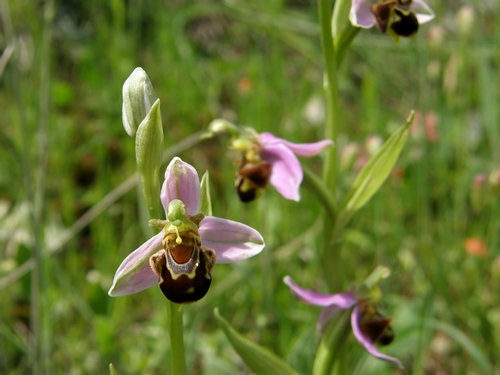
(256, 63)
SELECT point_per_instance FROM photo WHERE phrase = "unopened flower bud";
(138, 98)
(220, 125)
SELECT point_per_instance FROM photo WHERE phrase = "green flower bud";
(148, 152)
(138, 98)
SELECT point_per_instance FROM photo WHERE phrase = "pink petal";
(286, 174)
(361, 13)
(135, 274)
(341, 300)
(232, 241)
(422, 11)
(366, 342)
(181, 182)
(301, 149)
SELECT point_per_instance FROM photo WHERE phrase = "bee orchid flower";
(267, 158)
(180, 258)
(398, 17)
(368, 326)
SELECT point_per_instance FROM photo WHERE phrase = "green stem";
(334, 339)
(329, 256)
(318, 188)
(331, 92)
(176, 330)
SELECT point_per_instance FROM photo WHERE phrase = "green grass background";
(60, 123)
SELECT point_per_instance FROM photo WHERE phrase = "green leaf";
(112, 370)
(375, 172)
(260, 360)
(205, 200)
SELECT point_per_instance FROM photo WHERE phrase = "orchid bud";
(138, 98)
(148, 153)
(220, 125)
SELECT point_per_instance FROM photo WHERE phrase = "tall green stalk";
(330, 256)
(331, 92)
(337, 34)
(176, 331)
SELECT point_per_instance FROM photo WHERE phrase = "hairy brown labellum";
(406, 24)
(184, 271)
(376, 326)
(250, 178)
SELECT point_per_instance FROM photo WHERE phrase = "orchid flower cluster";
(181, 257)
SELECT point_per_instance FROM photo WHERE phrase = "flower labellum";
(183, 265)
(375, 326)
(181, 257)
(251, 178)
(397, 17)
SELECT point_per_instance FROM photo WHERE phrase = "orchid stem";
(176, 330)
(334, 339)
(330, 257)
(331, 92)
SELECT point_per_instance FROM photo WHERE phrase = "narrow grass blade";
(260, 360)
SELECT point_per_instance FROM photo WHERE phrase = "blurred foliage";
(255, 63)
